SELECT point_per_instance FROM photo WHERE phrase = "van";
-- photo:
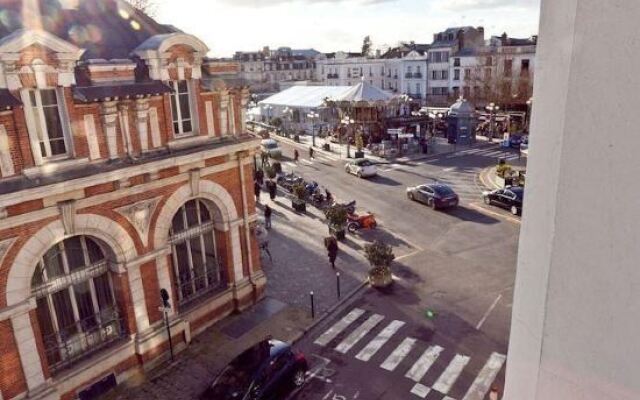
(271, 147)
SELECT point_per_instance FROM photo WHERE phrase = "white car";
(361, 167)
(271, 147)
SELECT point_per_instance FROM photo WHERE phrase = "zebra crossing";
(353, 327)
(490, 152)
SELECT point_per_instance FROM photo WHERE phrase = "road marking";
(485, 378)
(376, 344)
(449, 169)
(451, 374)
(420, 390)
(322, 367)
(420, 368)
(359, 333)
(495, 214)
(398, 354)
(338, 327)
(486, 314)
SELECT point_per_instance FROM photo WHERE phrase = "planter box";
(299, 205)
(381, 280)
(359, 154)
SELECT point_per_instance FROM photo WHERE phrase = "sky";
(227, 26)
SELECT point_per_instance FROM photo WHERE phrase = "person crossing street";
(267, 216)
(311, 153)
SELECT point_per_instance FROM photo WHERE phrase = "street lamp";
(313, 116)
(347, 120)
(492, 108)
(529, 104)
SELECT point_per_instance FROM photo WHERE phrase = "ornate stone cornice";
(139, 215)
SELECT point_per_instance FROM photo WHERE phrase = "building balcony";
(417, 75)
(408, 75)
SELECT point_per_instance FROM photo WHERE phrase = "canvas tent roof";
(314, 96)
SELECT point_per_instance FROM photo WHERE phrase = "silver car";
(361, 167)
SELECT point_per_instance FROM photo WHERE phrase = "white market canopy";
(314, 96)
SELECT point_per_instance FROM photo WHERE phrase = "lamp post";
(347, 120)
(313, 116)
(492, 108)
(528, 121)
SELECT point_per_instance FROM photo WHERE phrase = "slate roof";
(7, 100)
(88, 94)
(105, 28)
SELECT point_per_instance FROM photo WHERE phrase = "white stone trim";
(164, 276)
(232, 117)
(236, 253)
(155, 128)
(92, 137)
(137, 299)
(211, 128)
(139, 215)
(141, 119)
(18, 309)
(24, 265)
(29, 356)
(6, 162)
(23, 38)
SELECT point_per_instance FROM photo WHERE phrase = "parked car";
(435, 195)
(510, 198)
(259, 373)
(515, 141)
(361, 167)
(271, 147)
(524, 145)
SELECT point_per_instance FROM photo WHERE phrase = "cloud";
(268, 3)
(469, 5)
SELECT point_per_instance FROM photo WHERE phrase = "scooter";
(288, 181)
(356, 222)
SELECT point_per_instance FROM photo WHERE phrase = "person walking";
(273, 189)
(296, 155)
(267, 216)
(311, 153)
(257, 188)
(332, 248)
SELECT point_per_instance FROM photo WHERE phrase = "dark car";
(515, 141)
(259, 373)
(435, 195)
(510, 198)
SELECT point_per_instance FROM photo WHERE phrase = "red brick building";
(124, 169)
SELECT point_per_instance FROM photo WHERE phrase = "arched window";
(194, 252)
(76, 306)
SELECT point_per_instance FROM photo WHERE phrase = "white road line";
(338, 327)
(486, 314)
(398, 354)
(359, 333)
(420, 390)
(376, 344)
(485, 378)
(426, 360)
(448, 398)
(451, 374)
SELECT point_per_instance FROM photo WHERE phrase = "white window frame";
(178, 118)
(35, 114)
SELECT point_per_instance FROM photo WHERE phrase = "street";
(461, 268)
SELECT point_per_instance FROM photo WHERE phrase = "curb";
(299, 336)
(491, 184)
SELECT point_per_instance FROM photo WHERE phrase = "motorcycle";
(356, 222)
(288, 181)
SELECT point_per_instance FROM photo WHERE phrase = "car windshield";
(271, 145)
(231, 384)
(363, 163)
(519, 192)
(443, 190)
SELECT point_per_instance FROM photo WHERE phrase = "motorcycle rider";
(328, 196)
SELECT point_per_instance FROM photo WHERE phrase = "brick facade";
(127, 204)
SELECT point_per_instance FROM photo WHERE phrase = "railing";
(192, 232)
(57, 283)
(417, 75)
(191, 288)
(408, 75)
(75, 343)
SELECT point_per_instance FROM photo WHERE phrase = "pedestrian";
(267, 216)
(296, 155)
(273, 189)
(257, 188)
(311, 153)
(332, 248)
(260, 176)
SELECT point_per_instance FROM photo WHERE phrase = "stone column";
(142, 118)
(575, 326)
(123, 112)
(224, 115)
(109, 116)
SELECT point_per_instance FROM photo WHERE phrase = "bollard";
(313, 309)
(338, 283)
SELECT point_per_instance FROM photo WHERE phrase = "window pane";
(174, 108)
(75, 255)
(85, 306)
(64, 312)
(186, 126)
(182, 87)
(44, 317)
(54, 126)
(204, 212)
(95, 252)
(48, 97)
(177, 225)
(184, 274)
(198, 263)
(184, 106)
(53, 262)
(192, 213)
(32, 98)
(58, 147)
(37, 278)
(210, 258)
(103, 292)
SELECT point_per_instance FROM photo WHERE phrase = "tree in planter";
(337, 220)
(503, 170)
(359, 141)
(300, 193)
(380, 255)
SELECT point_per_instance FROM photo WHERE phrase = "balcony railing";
(417, 75)
(408, 75)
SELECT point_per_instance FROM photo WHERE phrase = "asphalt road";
(461, 266)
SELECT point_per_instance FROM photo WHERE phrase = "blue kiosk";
(461, 123)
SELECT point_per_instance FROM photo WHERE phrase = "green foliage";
(277, 122)
(270, 171)
(366, 46)
(299, 191)
(359, 141)
(379, 254)
(336, 216)
(503, 169)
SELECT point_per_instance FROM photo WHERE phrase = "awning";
(89, 94)
(7, 100)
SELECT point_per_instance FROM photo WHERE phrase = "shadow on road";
(383, 180)
(471, 215)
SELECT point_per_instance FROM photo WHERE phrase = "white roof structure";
(314, 96)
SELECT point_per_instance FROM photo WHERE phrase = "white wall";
(575, 330)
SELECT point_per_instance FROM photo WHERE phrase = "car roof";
(361, 160)
(437, 186)
(268, 141)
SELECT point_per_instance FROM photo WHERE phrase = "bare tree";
(146, 6)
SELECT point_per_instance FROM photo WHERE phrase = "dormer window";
(181, 108)
(46, 123)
